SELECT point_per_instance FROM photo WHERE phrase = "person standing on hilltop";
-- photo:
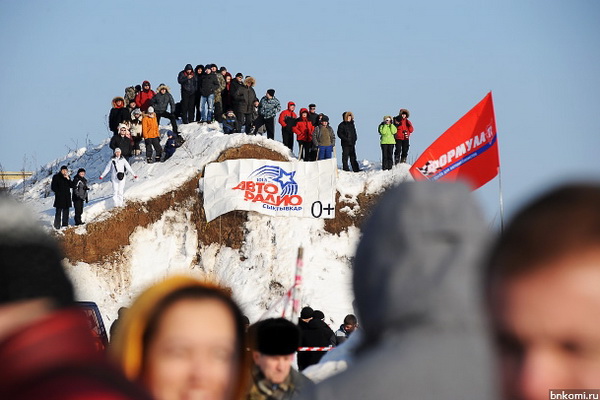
(387, 132)
(118, 165)
(151, 135)
(189, 84)
(80, 194)
(209, 83)
(303, 129)
(142, 99)
(243, 100)
(118, 114)
(405, 128)
(324, 139)
(347, 134)
(287, 120)
(61, 186)
(268, 107)
(161, 102)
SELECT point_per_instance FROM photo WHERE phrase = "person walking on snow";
(118, 165)
(405, 128)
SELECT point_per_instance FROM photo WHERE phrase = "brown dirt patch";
(343, 220)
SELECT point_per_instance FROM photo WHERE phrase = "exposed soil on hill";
(105, 240)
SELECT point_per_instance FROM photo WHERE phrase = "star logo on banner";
(285, 179)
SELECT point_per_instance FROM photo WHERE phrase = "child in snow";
(230, 123)
(170, 146)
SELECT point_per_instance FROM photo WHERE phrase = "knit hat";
(222, 69)
(311, 105)
(324, 118)
(122, 126)
(239, 75)
(271, 92)
(150, 110)
(275, 336)
(30, 259)
(318, 314)
(81, 170)
(117, 149)
(63, 167)
(306, 313)
(136, 111)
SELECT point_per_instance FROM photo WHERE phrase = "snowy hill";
(162, 229)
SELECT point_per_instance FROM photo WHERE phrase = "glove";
(100, 177)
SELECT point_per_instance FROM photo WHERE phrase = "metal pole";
(296, 293)
(501, 200)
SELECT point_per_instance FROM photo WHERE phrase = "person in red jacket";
(405, 128)
(304, 131)
(287, 119)
(142, 99)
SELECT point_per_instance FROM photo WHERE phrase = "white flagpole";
(501, 199)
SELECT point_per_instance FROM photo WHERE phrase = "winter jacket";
(405, 128)
(323, 136)
(189, 85)
(269, 108)
(287, 118)
(416, 281)
(387, 133)
(116, 165)
(122, 142)
(136, 127)
(230, 123)
(160, 101)
(80, 188)
(303, 128)
(117, 114)
(347, 131)
(150, 127)
(220, 88)
(340, 336)
(209, 83)
(244, 98)
(61, 187)
(291, 389)
(170, 147)
(314, 333)
(142, 99)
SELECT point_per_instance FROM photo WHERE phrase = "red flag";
(467, 151)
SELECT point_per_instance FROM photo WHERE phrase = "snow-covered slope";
(260, 272)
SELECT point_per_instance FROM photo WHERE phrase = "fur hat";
(150, 110)
(163, 86)
(250, 81)
(307, 312)
(122, 126)
(404, 111)
(271, 92)
(30, 259)
(276, 336)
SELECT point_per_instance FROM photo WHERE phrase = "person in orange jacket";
(151, 135)
(405, 128)
(304, 131)
(287, 119)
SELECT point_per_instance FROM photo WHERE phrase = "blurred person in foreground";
(47, 350)
(543, 284)
(417, 286)
(273, 342)
(184, 339)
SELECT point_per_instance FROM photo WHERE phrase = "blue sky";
(63, 62)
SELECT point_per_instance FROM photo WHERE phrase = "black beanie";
(239, 75)
(306, 313)
(271, 92)
(276, 336)
(318, 314)
(325, 118)
(81, 170)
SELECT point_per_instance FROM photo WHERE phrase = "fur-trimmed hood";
(404, 111)
(344, 115)
(158, 89)
(250, 81)
(114, 101)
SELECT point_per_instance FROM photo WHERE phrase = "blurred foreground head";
(418, 295)
(184, 337)
(544, 286)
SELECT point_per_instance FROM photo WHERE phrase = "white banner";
(291, 189)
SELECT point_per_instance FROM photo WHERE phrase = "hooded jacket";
(188, 85)
(387, 132)
(160, 101)
(244, 97)
(287, 117)
(117, 114)
(304, 127)
(143, 98)
(417, 287)
(347, 131)
(209, 83)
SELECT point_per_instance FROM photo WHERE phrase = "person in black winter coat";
(199, 70)
(80, 194)
(243, 102)
(318, 334)
(189, 85)
(209, 83)
(347, 134)
(118, 114)
(61, 186)
(123, 141)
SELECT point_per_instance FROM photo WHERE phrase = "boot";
(157, 159)
(403, 160)
(149, 160)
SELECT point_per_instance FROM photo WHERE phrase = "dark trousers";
(187, 106)
(305, 150)
(244, 120)
(153, 143)
(170, 117)
(218, 114)
(197, 106)
(287, 135)
(269, 124)
(387, 154)
(349, 152)
(401, 150)
(61, 218)
(78, 205)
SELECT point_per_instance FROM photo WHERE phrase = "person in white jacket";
(118, 166)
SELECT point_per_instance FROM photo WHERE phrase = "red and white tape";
(315, 348)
